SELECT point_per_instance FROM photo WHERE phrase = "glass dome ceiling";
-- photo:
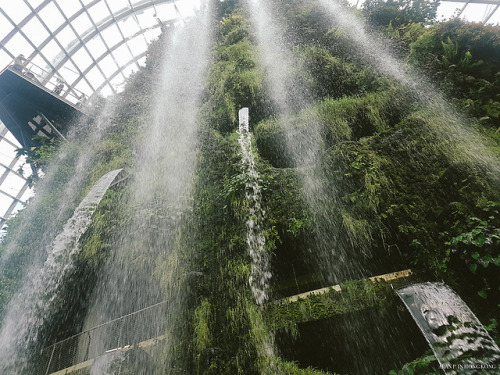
(91, 45)
(94, 45)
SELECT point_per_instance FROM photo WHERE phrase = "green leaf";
(482, 294)
(473, 268)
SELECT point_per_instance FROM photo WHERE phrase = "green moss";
(349, 118)
(355, 296)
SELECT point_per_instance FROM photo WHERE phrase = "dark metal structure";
(27, 108)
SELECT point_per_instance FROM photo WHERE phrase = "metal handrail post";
(50, 360)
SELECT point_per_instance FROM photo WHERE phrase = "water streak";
(304, 143)
(146, 262)
(462, 142)
(260, 271)
(458, 339)
(30, 310)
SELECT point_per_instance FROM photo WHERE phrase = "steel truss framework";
(55, 64)
(489, 12)
(58, 54)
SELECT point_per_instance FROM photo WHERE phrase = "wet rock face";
(458, 339)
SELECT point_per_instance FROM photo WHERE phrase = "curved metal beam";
(82, 39)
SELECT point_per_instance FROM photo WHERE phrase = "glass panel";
(188, 8)
(20, 163)
(118, 82)
(106, 91)
(6, 26)
(474, 12)
(19, 207)
(138, 45)
(83, 86)
(82, 58)
(166, 11)
(495, 19)
(129, 69)
(117, 6)
(35, 3)
(151, 35)
(5, 59)
(95, 77)
(122, 55)
(142, 61)
(82, 24)
(52, 51)
(129, 27)
(35, 31)
(96, 46)
(66, 37)
(5, 203)
(108, 65)
(52, 16)
(27, 195)
(12, 184)
(111, 35)
(39, 67)
(7, 153)
(69, 72)
(146, 18)
(18, 45)
(69, 7)
(16, 10)
(99, 12)
(12, 139)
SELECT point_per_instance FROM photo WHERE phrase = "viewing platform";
(33, 104)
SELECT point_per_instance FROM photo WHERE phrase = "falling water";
(29, 308)
(461, 141)
(146, 263)
(77, 156)
(23, 320)
(107, 364)
(304, 143)
(260, 272)
(458, 339)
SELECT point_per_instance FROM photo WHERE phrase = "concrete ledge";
(336, 300)
(88, 364)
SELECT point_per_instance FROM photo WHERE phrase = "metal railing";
(54, 83)
(117, 334)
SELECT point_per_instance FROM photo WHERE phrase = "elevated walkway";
(338, 299)
(136, 331)
(29, 108)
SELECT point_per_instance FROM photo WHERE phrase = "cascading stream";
(260, 271)
(462, 141)
(32, 307)
(146, 263)
(304, 142)
(457, 338)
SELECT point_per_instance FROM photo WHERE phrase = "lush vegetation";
(398, 198)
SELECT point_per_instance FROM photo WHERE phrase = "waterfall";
(147, 264)
(458, 339)
(304, 144)
(461, 141)
(260, 271)
(30, 310)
